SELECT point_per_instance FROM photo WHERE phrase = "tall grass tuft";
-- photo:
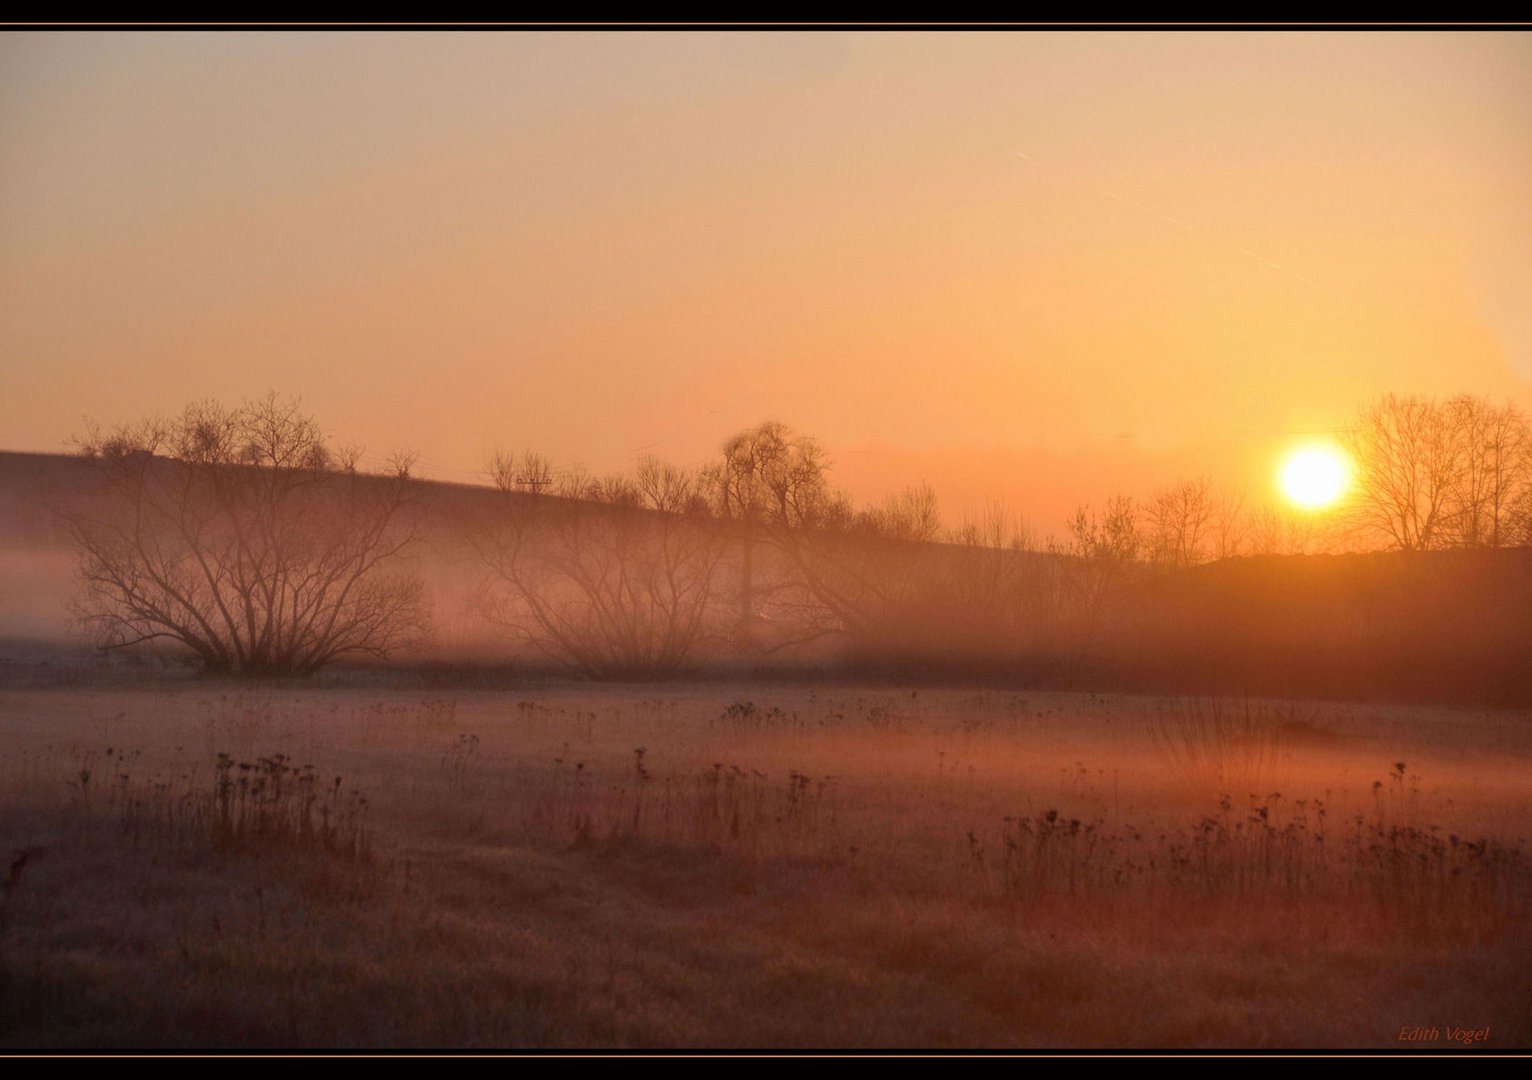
(1228, 744)
(270, 804)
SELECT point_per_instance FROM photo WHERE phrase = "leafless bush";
(238, 534)
(620, 589)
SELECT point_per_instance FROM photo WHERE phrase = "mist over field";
(753, 541)
(601, 777)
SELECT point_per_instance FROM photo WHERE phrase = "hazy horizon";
(1036, 267)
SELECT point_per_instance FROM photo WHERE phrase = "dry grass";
(1226, 743)
(754, 866)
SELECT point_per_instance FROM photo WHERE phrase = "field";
(372, 861)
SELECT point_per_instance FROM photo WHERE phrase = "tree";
(1104, 547)
(1271, 531)
(1179, 522)
(620, 583)
(1000, 581)
(830, 576)
(531, 472)
(1230, 528)
(1436, 474)
(1494, 483)
(1409, 457)
(240, 535)
(911, 514)
(740, 490)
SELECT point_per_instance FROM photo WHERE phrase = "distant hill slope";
(36, 563)
(1454, 624)
(29, 485)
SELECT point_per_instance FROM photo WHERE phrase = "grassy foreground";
(201, 864)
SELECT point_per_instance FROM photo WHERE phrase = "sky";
(1030, 267)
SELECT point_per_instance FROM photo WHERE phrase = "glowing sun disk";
(1315, 477)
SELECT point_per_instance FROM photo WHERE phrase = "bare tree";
(999, 576)
(740, 493)
(1495, 474)
(1111, 536)
(1271, 531)
(1230, 530)
(1410, 460)
(1178, 523)
(910, 514)
(995, 528)
(620, 585)
(1518, 520)
(528, 471)
(1104, 547)
(237, 533)
(835, 577)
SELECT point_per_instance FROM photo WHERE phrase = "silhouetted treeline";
(756, 561)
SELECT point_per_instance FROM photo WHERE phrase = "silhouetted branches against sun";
(240, 535)
(1442, 474)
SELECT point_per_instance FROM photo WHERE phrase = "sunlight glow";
(1316, 476)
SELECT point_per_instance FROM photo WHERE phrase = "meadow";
(376, 861)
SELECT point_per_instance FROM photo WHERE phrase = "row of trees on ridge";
(241, 534)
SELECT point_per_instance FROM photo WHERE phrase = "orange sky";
(1040, 267)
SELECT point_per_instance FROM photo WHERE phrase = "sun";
(1316, 476)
